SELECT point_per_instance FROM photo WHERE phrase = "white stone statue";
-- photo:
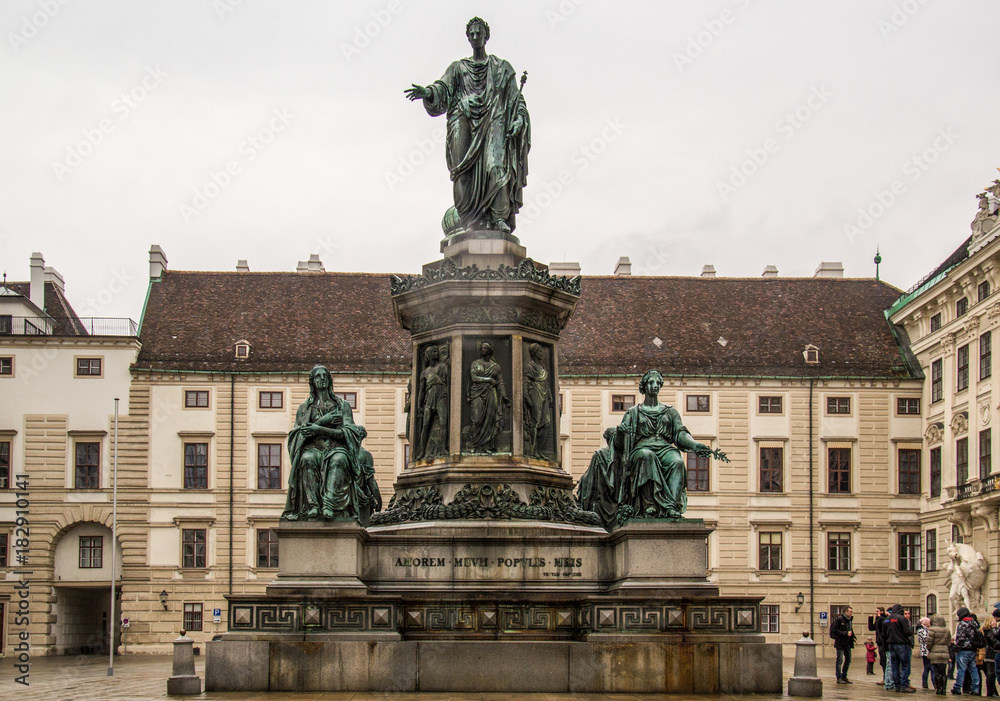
(966, 576)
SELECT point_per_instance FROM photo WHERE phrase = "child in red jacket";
(870, 655)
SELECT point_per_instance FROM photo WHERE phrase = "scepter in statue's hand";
(518, 124)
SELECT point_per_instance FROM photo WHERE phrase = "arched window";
(931, 604)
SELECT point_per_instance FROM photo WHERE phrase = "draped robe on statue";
(325, 476)
(654, 481)
(598, 489)
(488, 168)
(486, 394)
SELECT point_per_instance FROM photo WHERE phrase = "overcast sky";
(739, 133)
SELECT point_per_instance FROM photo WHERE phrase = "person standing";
(899, 637)
(938, 651)
(875, 624)
(870, 655)
(967, 640)
(922, 630)
(988, 653)
(995, 644)
(842, 632)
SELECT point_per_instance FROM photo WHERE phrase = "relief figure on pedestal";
(487, 399)
(598, 488)
(649, 445)
(326, 479)
(433, 406)
(538, 423)
(489, 135)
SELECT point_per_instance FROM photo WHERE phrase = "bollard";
(183, 682)
(804, 681)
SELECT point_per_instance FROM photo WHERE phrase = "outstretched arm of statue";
(417, 92)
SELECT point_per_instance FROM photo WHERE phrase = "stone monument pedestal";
(483, 573)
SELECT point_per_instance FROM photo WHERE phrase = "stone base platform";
(508, 666)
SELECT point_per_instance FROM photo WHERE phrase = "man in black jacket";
(842, 632)
(875, 625)
(899, 637)
(968, 639)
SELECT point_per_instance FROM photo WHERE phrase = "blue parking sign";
(822, 618)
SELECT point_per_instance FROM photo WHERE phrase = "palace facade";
(843, 486)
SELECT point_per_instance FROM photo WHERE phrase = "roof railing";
(67, 326)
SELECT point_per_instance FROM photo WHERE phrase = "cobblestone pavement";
(142, 677)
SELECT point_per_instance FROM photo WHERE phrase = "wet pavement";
(142, 677)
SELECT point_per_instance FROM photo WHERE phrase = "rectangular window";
(768, 405)
(697, 473)
(270, 400)
(769, 622)
(836, 610)
(4, 545)
(6, 324)
(909, 471)
(914, 612)
(269, 466)
(622, 402)
(937, 381)
(985, 355)
(931, 550)
(906, 406)
(771, 469)
(840, 470)
(769, 551)
(91, 552)
(839, 551)
(192, 617)
(961, 306)
(962, 371)
(983, 291)
(350, 397)
(196, 466)
(4, 464)
(193, 548)
(935, 322)
(88, 466)
(985, 453)
(196, 399)
(88, 367)
(909, 552)
(838, 405)
(961, 461)
(267, 548)
(6, 365)
(935, 473)
(698, 404)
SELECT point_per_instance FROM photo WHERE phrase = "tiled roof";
(67, 323)
(292, 321)
(706, 326)
(731, 326)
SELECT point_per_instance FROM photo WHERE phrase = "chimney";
(52, 275)
(315, 264)
(157, 262)
(567, 268)
(302, 267)
(708, 270)
(36, 290)
(830, 269)
(624, 267)
(241, 266)
(770, 271)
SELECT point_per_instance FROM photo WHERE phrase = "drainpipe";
(812, 535)
(232, 469)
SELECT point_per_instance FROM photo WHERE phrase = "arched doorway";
(82, 580)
